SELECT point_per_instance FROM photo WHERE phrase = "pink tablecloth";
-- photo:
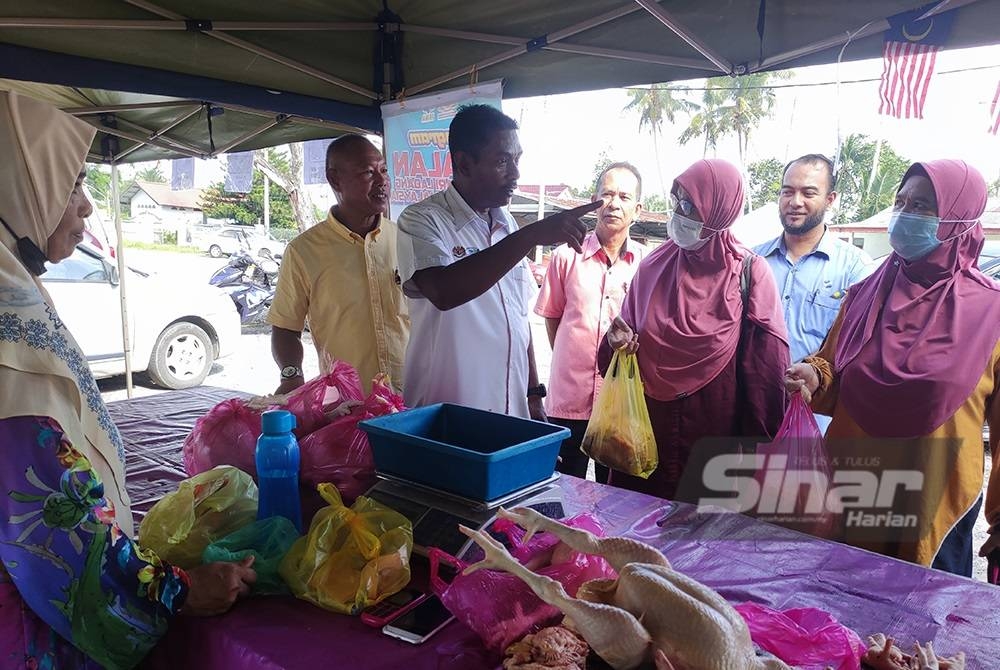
(743, 559)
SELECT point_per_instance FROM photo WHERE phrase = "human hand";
(289, 385)
(622, 337)
(214, 587)
(536, 409)
(802, 378)
(882, 654)
(564, 227)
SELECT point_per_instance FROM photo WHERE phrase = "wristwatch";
(538, 391)
(291, 372)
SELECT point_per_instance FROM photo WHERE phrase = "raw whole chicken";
(651, 612)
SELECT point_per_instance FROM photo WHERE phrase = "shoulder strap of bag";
(746, 275)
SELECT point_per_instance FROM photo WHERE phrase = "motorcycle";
(250, 283)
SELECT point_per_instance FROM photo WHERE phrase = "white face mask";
(685, 232)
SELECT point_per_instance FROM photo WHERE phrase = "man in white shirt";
(462, 264)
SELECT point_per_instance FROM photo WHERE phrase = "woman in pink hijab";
(707, 360)
(909, 371)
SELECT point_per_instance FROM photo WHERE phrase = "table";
(741, 558)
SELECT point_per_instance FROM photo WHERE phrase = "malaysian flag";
(908, 56)
(995, 112)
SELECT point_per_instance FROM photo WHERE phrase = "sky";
(563, 135)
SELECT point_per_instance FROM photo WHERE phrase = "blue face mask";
(913, 236)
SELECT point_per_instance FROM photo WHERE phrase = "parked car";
(230, 241)
(176, 333)
(227, 242)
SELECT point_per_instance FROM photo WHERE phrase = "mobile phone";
(420, 623)
(392, 607)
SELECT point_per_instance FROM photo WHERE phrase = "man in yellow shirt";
(341, 275)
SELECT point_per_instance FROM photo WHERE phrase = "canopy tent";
(336, 61)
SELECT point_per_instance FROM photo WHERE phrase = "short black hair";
(474, 126)
(815, 160)
(620, 165)
(341, 145)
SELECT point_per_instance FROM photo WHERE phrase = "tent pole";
(126, 340)
(246, 137)
(267, 203)
(664, 17)
(260, 51)
(135, 137)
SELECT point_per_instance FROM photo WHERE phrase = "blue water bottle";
(278, 468)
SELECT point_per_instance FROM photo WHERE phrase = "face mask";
(685, 232)
(913, 236)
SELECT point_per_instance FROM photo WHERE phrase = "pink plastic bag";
(804, 638)
(499, 607)
(339, 452)
(228, 434)
(796, 456)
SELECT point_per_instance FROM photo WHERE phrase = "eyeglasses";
(685, 207)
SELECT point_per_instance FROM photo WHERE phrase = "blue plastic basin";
(470, 452)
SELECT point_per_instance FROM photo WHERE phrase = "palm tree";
(732, 105)
(151, 174)
(657, 104)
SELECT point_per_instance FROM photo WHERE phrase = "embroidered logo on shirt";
(395, 277)
(458, 251)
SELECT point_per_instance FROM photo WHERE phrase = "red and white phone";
(393, 607)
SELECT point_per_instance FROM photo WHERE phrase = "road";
(251, 369)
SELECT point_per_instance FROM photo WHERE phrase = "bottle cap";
(277, 421)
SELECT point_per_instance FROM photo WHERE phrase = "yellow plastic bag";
(352, 557)
(204, 508)
(619, 434)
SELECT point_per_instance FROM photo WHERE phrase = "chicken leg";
(617, 551)
(615, 634)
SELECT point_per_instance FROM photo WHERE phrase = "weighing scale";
(436, 514)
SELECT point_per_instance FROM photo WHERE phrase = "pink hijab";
(917, 336)
(686, 305)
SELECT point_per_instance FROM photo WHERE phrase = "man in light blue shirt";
(812, 267)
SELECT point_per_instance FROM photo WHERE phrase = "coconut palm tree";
(657, 104)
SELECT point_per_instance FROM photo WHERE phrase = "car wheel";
(182, 357)
(215, 251)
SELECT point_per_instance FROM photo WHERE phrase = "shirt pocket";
(820, 313)
(516, 289)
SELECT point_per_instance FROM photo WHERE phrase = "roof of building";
(551, 190)
(879, 222)
(163, 195)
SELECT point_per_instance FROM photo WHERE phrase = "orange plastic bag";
(352, 557)
(619, 434)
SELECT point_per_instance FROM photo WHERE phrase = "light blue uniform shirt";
(812, 289)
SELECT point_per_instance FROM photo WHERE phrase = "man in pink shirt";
(581, 295)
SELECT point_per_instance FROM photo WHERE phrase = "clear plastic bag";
(267, 540)
(352, 557)
(499, 607)
(806, 638)
(203, 509)
(619, 434)
(800, 443)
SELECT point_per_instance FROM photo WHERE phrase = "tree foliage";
(657, 104)
(765, 181)
(99, 185)
(248, 208)
(654, 202)
(151, 174)
(586, 191)
(867, 185)
(732, 106)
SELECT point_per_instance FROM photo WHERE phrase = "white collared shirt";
(477, 353)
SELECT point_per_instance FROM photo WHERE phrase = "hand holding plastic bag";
(619, 434)
(352, 557)
(267, 541)
(203, 509)
(800, 443)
